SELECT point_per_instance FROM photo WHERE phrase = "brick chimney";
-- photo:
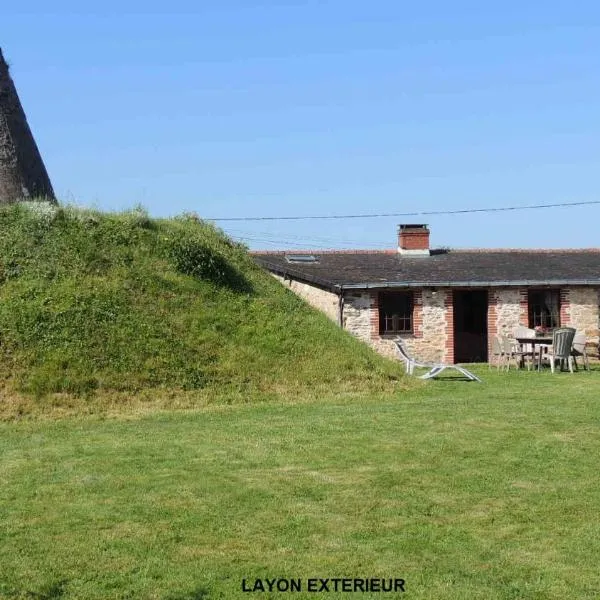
(413, 240)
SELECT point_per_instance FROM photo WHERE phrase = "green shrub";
(192, 257)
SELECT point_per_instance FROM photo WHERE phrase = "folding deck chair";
(434, 368)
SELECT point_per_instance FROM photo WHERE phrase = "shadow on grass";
(454, 376)
(457, 379)
(194, 257)
(200, 593)
(235, 281)
(50, 591)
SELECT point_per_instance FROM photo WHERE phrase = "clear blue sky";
(246, 108)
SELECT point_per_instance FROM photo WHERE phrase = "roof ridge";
(515, 250)
(449, 250)
(323, 251)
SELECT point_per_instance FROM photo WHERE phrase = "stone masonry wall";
(579, 309)
(583, 311)
(432, 338)
(358, 312)
(431, 344)
(325, 301)
(361, 318)
(509, 312)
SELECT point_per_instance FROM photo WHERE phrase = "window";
(395, 312)
(544, 308)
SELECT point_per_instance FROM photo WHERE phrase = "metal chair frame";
(434, 368)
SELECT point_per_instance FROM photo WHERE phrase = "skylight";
(301, 258)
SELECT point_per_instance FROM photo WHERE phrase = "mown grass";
(464, 490)
(121, 303)
(175, 421)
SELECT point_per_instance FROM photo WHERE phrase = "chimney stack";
(413, 240)
(22, 172)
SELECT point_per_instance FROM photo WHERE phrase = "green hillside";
(94, 301)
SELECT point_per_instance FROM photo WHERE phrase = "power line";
(305, 241)
(305, 245)
(276, 242)
(409, 214)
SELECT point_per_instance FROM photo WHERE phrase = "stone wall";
(358, 314)
(429, 343)
(509, 312)
(325, 301)
(583, 312)
(361, 318)
(579, 309)
(432, 338)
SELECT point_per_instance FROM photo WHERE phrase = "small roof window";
(301, 258)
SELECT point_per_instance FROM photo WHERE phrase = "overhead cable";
(408, 214)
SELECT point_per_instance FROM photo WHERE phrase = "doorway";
(470, 325)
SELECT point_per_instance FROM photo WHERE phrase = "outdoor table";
(537, 340)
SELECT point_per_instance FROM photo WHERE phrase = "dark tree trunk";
(22, 172)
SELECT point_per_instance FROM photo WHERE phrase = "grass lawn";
(464, 490)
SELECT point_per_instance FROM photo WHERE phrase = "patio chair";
(497, 354)
(434, 368)
(562, 344)
(512, 351)
(527, 351)
(579, 350)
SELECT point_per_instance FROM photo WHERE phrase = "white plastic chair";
(562, 345)
(497, 354)
(511, 350)
(527, 351)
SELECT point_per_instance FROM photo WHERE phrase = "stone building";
(446, 304)
(22, 171)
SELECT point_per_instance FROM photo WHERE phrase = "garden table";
(537, 340)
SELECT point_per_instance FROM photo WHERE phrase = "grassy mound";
(95, 301)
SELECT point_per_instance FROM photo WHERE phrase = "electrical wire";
(409, 214)
(306, 241)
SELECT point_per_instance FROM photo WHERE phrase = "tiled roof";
(482, 268)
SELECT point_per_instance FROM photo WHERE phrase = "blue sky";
(282, 108)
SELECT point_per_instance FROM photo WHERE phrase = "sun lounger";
(434, 368)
